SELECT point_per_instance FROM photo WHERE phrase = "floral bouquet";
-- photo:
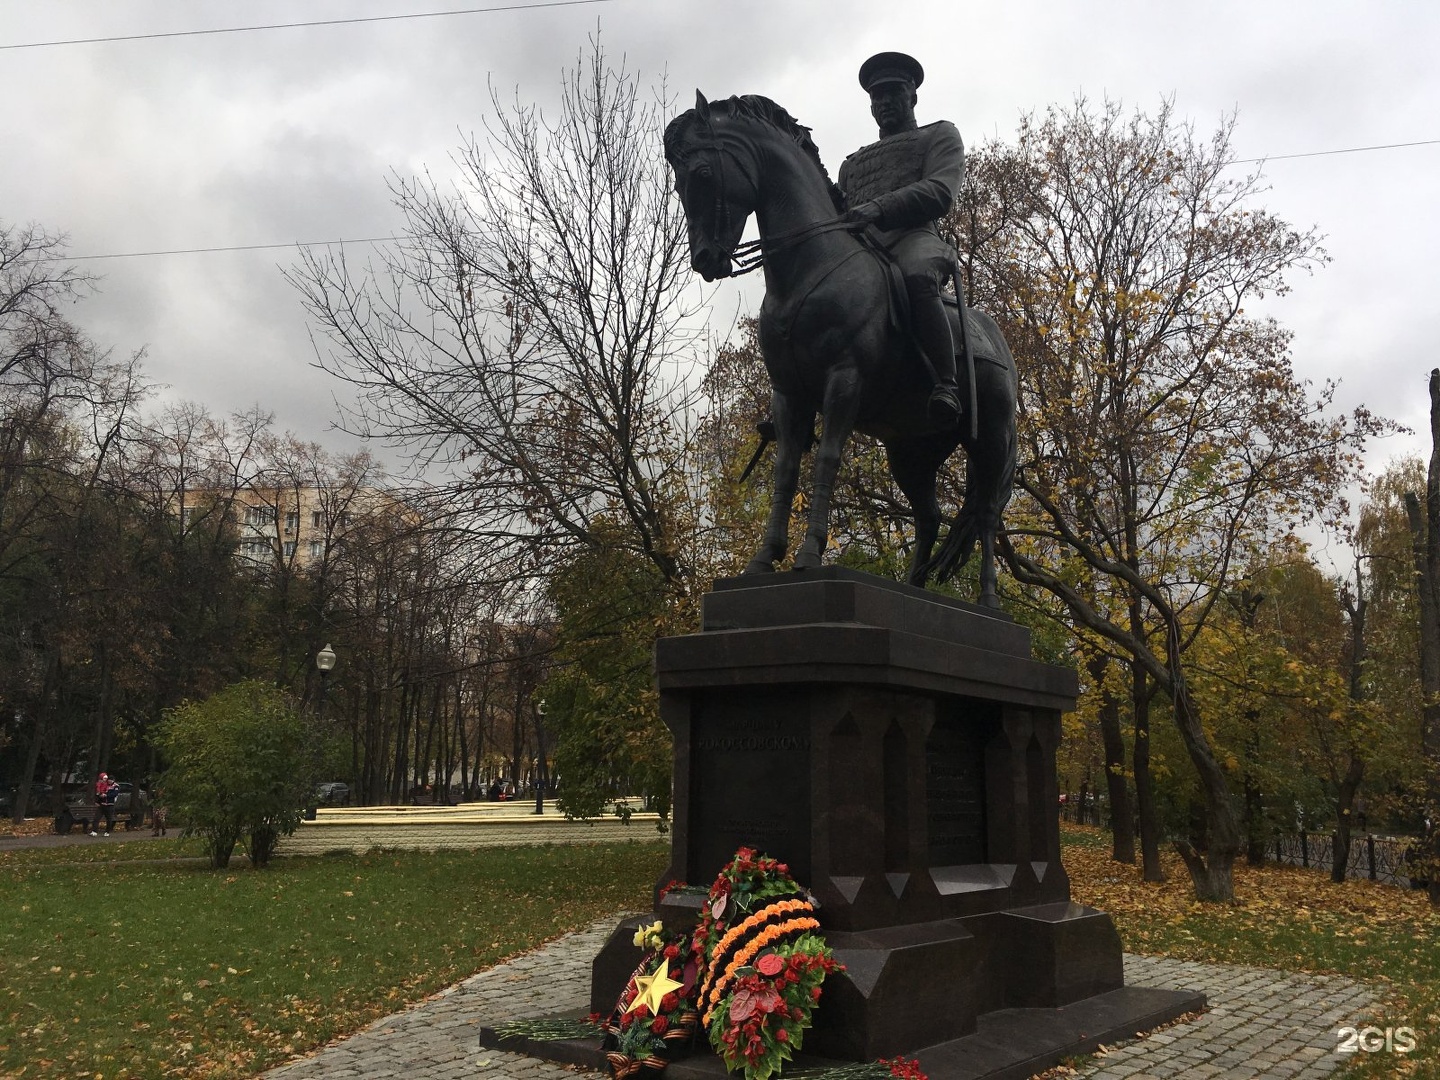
(759, 946)
(655, 1015)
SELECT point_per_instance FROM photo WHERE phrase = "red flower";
(770, 965)
(660, 1025)
(672, 952)
(689, 977)
(669, 1002)
(905, 1070)
(782, 1035)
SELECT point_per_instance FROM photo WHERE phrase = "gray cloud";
(290, 135)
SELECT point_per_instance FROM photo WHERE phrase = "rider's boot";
(932, 330)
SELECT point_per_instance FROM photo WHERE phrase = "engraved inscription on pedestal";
(955, 787)
(750, 780)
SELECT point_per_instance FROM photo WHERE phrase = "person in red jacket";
(106, 791)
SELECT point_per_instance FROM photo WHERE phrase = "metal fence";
(1080, 811)
(1379, 858)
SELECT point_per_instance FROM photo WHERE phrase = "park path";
(1260, 1024)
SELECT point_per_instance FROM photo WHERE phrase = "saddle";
(899, 312)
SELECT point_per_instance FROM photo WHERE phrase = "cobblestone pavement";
(1260, 1024)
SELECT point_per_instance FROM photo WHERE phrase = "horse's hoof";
(807, 558)
(759, 566)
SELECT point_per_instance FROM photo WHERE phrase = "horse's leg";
(792, 425)
(989, 581)
(842, 403)
(914, 468)
(989, 472)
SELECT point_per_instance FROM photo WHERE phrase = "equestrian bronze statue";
(855, 324)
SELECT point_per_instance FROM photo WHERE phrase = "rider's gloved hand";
(867, 213)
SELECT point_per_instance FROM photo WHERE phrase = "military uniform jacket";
(912, 176)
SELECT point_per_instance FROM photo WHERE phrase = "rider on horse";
(903, 184)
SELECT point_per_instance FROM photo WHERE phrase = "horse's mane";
(753, 107)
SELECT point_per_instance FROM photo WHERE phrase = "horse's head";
(716, 189)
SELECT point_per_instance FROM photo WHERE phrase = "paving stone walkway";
(1260, 1023)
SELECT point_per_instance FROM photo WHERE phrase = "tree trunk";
(1355, 610)
(1425, 545)
(1344, 803)
(517, 737)
(1211, 869)
(37, 739)
(21, 806)
(1122, 816)
(1254, 797)
(462, 748)
(1140, 694)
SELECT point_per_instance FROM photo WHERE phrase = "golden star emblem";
(650, 989)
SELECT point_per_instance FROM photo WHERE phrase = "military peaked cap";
(891, 67)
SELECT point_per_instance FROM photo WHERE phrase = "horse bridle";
(751, 255)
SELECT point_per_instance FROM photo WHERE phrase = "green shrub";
(242, 767)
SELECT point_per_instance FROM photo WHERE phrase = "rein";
(751, 254)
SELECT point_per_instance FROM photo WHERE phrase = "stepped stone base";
(896, 749)
(1008, 1044)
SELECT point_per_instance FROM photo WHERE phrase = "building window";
(289, 548)
(315, 519)
(187, 514)
(316, 549)
(259, 515)
(254, 547)
(292, 522)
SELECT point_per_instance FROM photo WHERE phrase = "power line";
(391, 239)
(314, 22)
(208, 250)
(1327, 153)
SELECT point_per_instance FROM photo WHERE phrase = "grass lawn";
(1288, 918)
(115, 965)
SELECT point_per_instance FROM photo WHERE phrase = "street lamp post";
(324, 663)
(540, 770)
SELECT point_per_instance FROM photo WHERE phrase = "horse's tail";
(980, 511)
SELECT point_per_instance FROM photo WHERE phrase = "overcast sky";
(285, 135)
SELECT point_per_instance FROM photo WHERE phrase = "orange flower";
(770, 934)
(736, 932)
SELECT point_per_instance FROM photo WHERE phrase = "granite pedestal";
(897, 749)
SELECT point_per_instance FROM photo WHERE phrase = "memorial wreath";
(749, 974)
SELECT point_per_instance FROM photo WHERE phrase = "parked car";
(332, 793)
(38, 803)
(131, 802)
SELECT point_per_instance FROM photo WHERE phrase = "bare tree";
(528, 334)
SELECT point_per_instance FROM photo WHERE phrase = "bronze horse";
(830, 342)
